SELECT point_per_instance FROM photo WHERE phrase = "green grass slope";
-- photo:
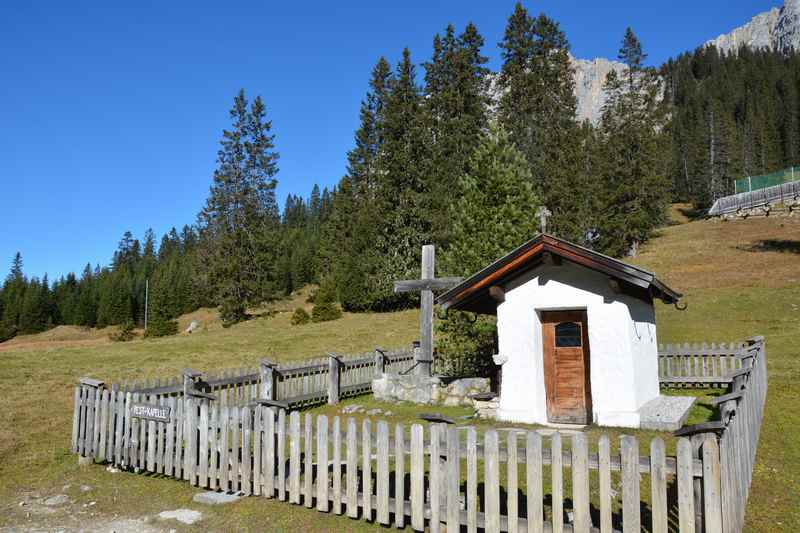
(742, 278)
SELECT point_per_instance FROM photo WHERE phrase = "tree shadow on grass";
(772, 245)
(692, 213)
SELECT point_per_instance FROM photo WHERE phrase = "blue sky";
(111, 112)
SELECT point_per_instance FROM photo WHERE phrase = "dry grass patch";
(711, 254)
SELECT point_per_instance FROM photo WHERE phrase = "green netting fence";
(754, 183)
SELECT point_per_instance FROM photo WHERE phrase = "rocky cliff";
(776, 29)
(590, 75)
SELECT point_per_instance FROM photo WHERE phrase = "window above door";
(568, 335)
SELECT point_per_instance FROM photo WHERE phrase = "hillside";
(743, 278)
(740, 278)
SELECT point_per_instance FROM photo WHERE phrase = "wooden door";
(566, 366)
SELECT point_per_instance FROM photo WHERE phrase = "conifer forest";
(450, 153)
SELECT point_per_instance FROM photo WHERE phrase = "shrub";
(232, 312)
(465, 345)
(312, 296)
(7, 331)
(325, 311)
(325, 307)
(300, 317)
(161, 328)
(124, 334)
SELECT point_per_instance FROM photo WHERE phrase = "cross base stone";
(428, 390)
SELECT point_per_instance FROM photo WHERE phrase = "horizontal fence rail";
(301, 384)
(699, 364)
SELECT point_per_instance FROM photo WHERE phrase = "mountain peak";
(776, 29)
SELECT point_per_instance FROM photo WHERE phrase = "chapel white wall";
(623, 360)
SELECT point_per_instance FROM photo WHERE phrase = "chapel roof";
(473, 294)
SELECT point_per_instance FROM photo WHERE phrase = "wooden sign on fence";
(158, 413)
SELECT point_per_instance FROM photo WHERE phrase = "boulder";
(58, 499)
(216, 498)
(185, 516)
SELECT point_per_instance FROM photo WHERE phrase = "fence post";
(267, 390)
(380, 363)
(76, 419)
(685, 491)
(712, 485)
(91, 405)
(333, 379)
(189, 377)
(697, 443)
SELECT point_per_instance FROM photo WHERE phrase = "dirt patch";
(32, 512)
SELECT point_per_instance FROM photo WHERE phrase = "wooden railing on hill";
(699, 364)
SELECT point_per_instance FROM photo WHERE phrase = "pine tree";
(369, 136)
(14, 289)
(115, 304)
(350, 232)
(400, 196)
(347, 250)
(492, 217)
(455, 114)
(538, 109)
(33, 316)
(87, 299)
(165, 299)
(240, 222)
(636, 187)
(632, 55)
(325, 308)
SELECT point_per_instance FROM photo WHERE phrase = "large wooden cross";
(426, 285)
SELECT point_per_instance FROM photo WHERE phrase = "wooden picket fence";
(301, 384)
(498, 481)
(425, 476)
(699, 364)
(738, 427)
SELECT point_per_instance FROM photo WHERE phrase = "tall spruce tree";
(239, 223)
(348, 244)
(34, 316)
(633, 166)
(455, 115)
(13, 296)
(400, 193)
(369, 136)
(538, 108)
(86, 314)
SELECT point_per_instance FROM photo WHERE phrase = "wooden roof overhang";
(473, 294)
